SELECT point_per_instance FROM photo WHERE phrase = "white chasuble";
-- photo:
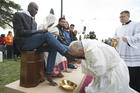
(110, 73)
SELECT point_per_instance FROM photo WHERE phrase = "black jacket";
(61, 37)
(23, 26)
(73, 36)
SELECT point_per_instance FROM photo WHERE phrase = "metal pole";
(61, 8)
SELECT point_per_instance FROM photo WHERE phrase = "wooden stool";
(32, 65)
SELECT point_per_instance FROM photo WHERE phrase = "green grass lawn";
(9, 72)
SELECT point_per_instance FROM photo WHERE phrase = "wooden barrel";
(32, 64)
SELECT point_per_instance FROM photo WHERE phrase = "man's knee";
(48, 35)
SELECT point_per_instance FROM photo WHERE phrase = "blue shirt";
(67, 36)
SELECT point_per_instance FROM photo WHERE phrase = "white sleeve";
(134, 40)
(96, 62)
(54, 30)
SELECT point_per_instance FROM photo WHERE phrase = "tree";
(7, 9)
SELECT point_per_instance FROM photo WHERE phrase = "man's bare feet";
(49, 78)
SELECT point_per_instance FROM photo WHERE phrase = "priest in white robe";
(128, 38)
(110, 73)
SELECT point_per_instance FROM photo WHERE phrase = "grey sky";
(102, 16)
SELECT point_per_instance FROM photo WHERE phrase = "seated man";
(109, 71)
(28, 38)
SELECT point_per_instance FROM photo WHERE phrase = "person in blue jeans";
(28, 38)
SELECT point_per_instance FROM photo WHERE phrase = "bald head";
(76, 48)
(33, 8)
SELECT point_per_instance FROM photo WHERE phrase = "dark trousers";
(36, 42)
(134, 73)
(9, 51)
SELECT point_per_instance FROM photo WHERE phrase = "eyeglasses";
(122, 16)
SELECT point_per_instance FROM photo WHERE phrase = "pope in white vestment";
(110, 73)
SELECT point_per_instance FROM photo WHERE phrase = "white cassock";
(130, 51)
(110, 73)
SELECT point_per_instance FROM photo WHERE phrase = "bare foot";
(49, 78)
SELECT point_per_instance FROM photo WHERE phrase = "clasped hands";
(124, 39)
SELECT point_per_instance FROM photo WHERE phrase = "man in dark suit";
(27, 38)
(61, 37)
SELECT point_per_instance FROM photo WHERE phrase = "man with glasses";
(127, 36)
